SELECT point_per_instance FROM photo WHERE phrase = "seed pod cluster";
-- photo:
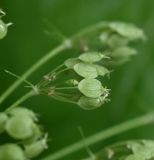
(93, 92)
(101, 46)
(3, 26)
(129, 150)
(114, 37)
(21, 125)
(117, 39)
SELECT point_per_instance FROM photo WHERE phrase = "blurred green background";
(132, 84)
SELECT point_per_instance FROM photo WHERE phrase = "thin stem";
(65, 45)
(65, 88)
(123, 127)
(32, 69)
(63, 99)
(20, 100)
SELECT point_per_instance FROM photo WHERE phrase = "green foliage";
(112, 40)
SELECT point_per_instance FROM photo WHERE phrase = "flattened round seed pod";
(71, 62)
(116, 41)
(102, 71)
(3, 120)
(36, 148)
(20, 127)
(37, 134)
(91, 57)
(11, 152)
(23, 111)
(127, 30)
(3, 29)
(124, 52)
(91, 88)
(72, 82)
(104, 37)
(90, 103)
(85, 70)
(135, 157)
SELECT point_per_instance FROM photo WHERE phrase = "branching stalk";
(102, 135)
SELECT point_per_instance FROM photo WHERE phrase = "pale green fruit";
(72, 82)
(23, 111)
(91, 88)
(3, 120)
(141, 149)
(124, 52)
(37, 133)
(85, 70)
(3, 29)
(71, 62)
(90, 103)
(135, 157)
(102, 71)
(116, 41)
(127, 30)
(11, 152)
(36, 148)
(91, 57)
(104, 37)
(20, 127)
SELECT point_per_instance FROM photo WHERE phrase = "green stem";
(32, 69)
(65, 88)
(66, 44)
(20, 100)
(125, 126)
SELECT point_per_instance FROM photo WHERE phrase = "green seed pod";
(141, 149)
(135, 157)
(71, 62)
(36, 148)
(20, 127)
(23, 111)
(87, 103)
(91, 88)
(124, 51)
(3, 29)
(116, 41)
(122, 54)
(102, 71)
(104, 37)
(72, 82)
(3, 120)
(11, 152)
(91, 57)
(85, 70)
(37, 134)
(129, 31)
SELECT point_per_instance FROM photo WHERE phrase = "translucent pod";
(20, 127)
(3, 29)
(72, 82)
(71, 62)
(91, 88)
(101, 71)
(85, 70)
(91, 57)
(127, 30)
(3, 120)
(122, 54)
(36, 148)
(135, 157)
(11, 152)
(87, 103)
(23, 111)
(37, 133)
(115, 41)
